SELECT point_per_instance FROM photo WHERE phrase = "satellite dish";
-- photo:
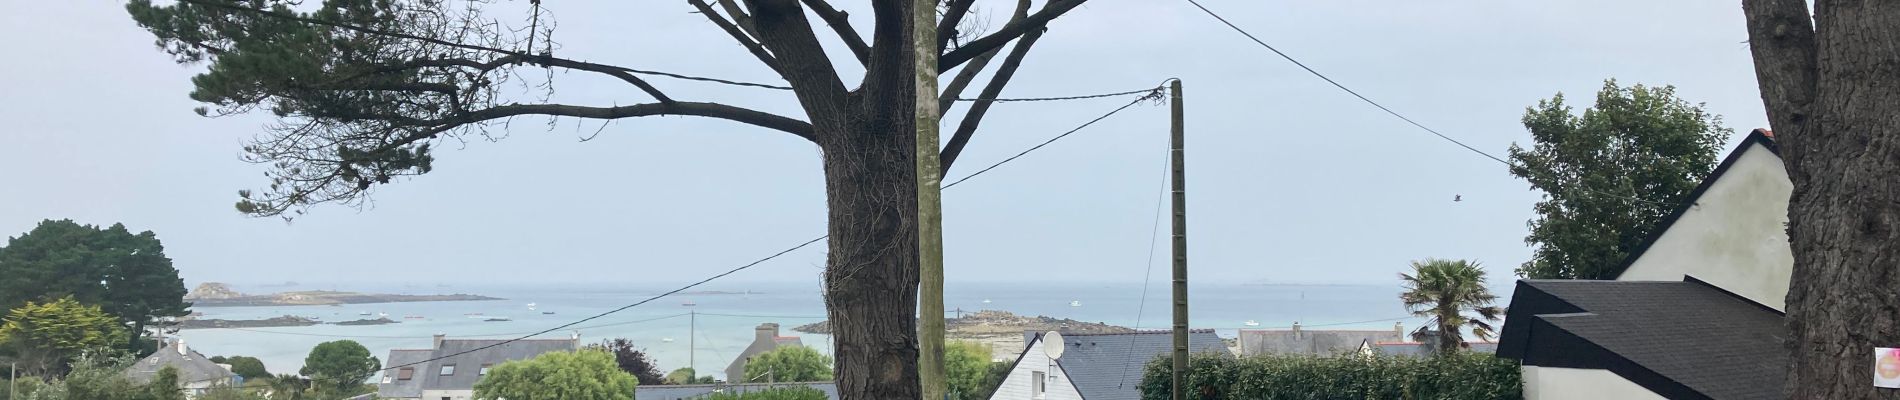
(1053, 351)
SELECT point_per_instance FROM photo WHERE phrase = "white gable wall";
(1735, 237)
(1019, 384)
(1551, 383)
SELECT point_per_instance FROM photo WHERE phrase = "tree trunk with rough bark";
(871, 277)
(1832, 89)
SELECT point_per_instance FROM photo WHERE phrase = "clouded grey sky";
(1290, 180)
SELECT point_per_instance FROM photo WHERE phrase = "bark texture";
(1832, 90)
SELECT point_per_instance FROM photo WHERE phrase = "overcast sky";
(1290, 179)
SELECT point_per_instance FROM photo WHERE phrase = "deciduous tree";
(365, 89)
(1610, 175)
(576, 375)
(1831, 84)
(786, 364)
(685, 376)
(339, 366)
(971, 374)
(631, 359)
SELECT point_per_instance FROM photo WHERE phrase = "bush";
(783, 393)
(1458, 376)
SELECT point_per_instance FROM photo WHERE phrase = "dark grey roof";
(1683, 340)
(191, 366)
(677, 392)
(428, 376)
(1310, 341)
(468, 366)
(399, 388)
(1108, 366)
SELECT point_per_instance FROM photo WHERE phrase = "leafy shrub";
(1458, 376)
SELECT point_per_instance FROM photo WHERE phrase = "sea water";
(719, 326)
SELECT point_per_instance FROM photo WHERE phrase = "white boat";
(365, 313)
(666, 340)
(1075, 303)
(1250, 323)
(382, 315)
(986, 301)
(497, 319)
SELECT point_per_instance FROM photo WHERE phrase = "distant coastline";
(274, 322)
(213, 294)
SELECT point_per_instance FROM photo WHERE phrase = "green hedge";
(783, 393)
(1460, 376)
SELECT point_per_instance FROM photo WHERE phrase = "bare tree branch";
(950, 92)
(840, 22)
(739, 16)
(952, 16)
(971, 119)
(751, 45)
(1049, 12)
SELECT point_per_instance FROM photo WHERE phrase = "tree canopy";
(364, 90)
(1444, 290)
(632, 360)
(1610, 175)
(46, 336)
(124, 273)
(248, 367)
(786, 364)
(339, 366)
(970, 373)
(576, 375)
(686, 376)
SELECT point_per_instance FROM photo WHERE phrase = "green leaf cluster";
(46, 336)
(1463, 376)
(126, 274)
(686, 376)
(339, 366)
(787, 364)
(96, 376)
(575, 375)
(1610, 175)
(778, 393)
(1442, 291)
(970, 372)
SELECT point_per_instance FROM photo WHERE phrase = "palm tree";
(1443, 290)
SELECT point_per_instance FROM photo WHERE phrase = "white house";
(1696, 313)
(1093, 366)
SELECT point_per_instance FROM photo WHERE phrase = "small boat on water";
(1251, 323)
(688, 303)
(1075, 303)
(412, 317)
(547, 313)
(382, 315)
(497, 319)
(473, 313)
(365, 313)
(986, 301)
(666, 340)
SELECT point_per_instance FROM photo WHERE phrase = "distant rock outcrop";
(213, 291)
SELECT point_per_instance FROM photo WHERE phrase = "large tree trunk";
(1833, 98)
(871, 277)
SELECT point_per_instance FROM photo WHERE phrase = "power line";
(1154, 94)
(765, 316)
(1154, 235)
(1081, 97)
(1388, 110)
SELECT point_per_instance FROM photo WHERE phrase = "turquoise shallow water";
(725, 322)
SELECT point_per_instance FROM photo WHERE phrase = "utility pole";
(929, 202)
(1179, 166)
(692, 347)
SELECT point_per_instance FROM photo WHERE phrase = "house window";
(484, 371)
(405, 373)
(1036, 385)
(448, 370)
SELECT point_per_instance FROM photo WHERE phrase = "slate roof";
(403, 388)
(1108, 366)
(468, 367)
(1682, 340)
(1310, 341)
(678, 392)
(191, 366)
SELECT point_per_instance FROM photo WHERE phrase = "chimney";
(438, 340)
(766, 331)
(180, 344)
(1399, 327)
(576, 337)
(1296, 329)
